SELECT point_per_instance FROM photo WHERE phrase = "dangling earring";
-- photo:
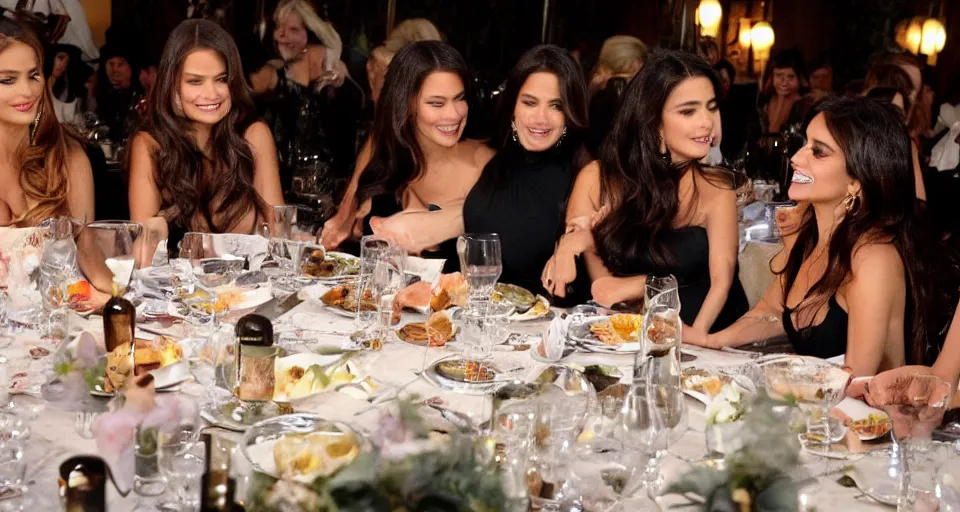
(33, 128)
(665, 152)
(513, 126)
(850, 203)
(562, 135)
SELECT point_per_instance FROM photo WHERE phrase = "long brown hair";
(43, 160)
(179, 160)
(640, 184)
(876, 148)
(397, 159)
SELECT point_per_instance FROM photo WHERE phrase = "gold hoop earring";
(33, 128)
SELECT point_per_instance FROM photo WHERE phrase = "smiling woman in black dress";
(522, 193)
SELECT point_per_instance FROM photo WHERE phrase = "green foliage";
(761, 469)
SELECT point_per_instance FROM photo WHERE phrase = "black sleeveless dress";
(690, 250)
(824, 340)
(522, 197)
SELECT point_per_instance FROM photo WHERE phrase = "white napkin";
(945, 155)
(555, 338)
(428, 269)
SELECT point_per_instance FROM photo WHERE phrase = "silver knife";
(275, 307)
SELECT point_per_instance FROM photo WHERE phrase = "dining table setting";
(262, 372)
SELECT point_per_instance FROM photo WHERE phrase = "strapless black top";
(824, 340)
(690, 251)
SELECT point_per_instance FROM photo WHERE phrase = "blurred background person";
(621, 58)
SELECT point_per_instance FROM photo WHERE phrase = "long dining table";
(62, 430)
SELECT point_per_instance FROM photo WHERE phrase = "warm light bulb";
(914, 36)
(932, 36)
(761, 36)
(744, 37)
(709, 13)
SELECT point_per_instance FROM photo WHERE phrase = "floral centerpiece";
(410, 468)
(760, 475)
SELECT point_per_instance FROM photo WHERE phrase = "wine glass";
(207, 357)
(481, 264)
(381, 278)
(816, 386)
(663, 290)
(644, 429)
(109, 253)
(202, 263)
(916, 404)
(178, 435)
(182, 464)
(279, 230)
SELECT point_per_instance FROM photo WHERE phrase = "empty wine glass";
(182, 464)
(663, 290)
(916, 404)
(108, 253)
(481, 264)
(644, 428)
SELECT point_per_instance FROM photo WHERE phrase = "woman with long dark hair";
(203, 161)
(414, 172)
(540, 127)
(45, 170)
(647, 207)
(857, 280)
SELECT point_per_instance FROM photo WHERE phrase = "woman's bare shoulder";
(474, 153)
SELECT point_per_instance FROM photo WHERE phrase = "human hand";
(560, 270)
(335, 231)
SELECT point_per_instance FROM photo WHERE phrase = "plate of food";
(437, 331)
(104, 373)
(340, 299)
(615, 334)
(302, 375)
(329, 266)
(703, 385)
(301, 447)
(866, 422)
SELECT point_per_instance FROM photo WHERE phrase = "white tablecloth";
(54, 430)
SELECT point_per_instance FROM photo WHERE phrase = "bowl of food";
(301, 446)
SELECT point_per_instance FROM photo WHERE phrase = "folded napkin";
(554, 339)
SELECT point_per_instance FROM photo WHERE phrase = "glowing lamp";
(709, 14)
(933, 36)
(761, 36)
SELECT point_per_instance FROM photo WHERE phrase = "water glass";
(183, 464)
(481, 265)
(147, 480)
(13, 466)
(662, 290)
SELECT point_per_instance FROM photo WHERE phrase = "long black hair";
(397, 159)
(545, 58)
(640, 184)
(179, 161)
(876, 148)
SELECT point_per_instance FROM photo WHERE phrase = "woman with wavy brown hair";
(44, 171)
(203, 161)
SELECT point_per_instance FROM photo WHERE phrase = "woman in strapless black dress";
(647, 207)
(858, 279)
(541, 123)
(414, 172)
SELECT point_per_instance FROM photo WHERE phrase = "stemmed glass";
(208, 356)
(14, 436)
(180, 454)
(381, 278)
(202, 267)
(280, 233)
(481, 265)
(916, 404)
(816, 386)
(108, 253)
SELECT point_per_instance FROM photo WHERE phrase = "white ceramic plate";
(305, 360)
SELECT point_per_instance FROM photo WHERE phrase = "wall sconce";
(709, 14)
(922, 36)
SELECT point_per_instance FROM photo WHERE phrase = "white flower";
(726, 406)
